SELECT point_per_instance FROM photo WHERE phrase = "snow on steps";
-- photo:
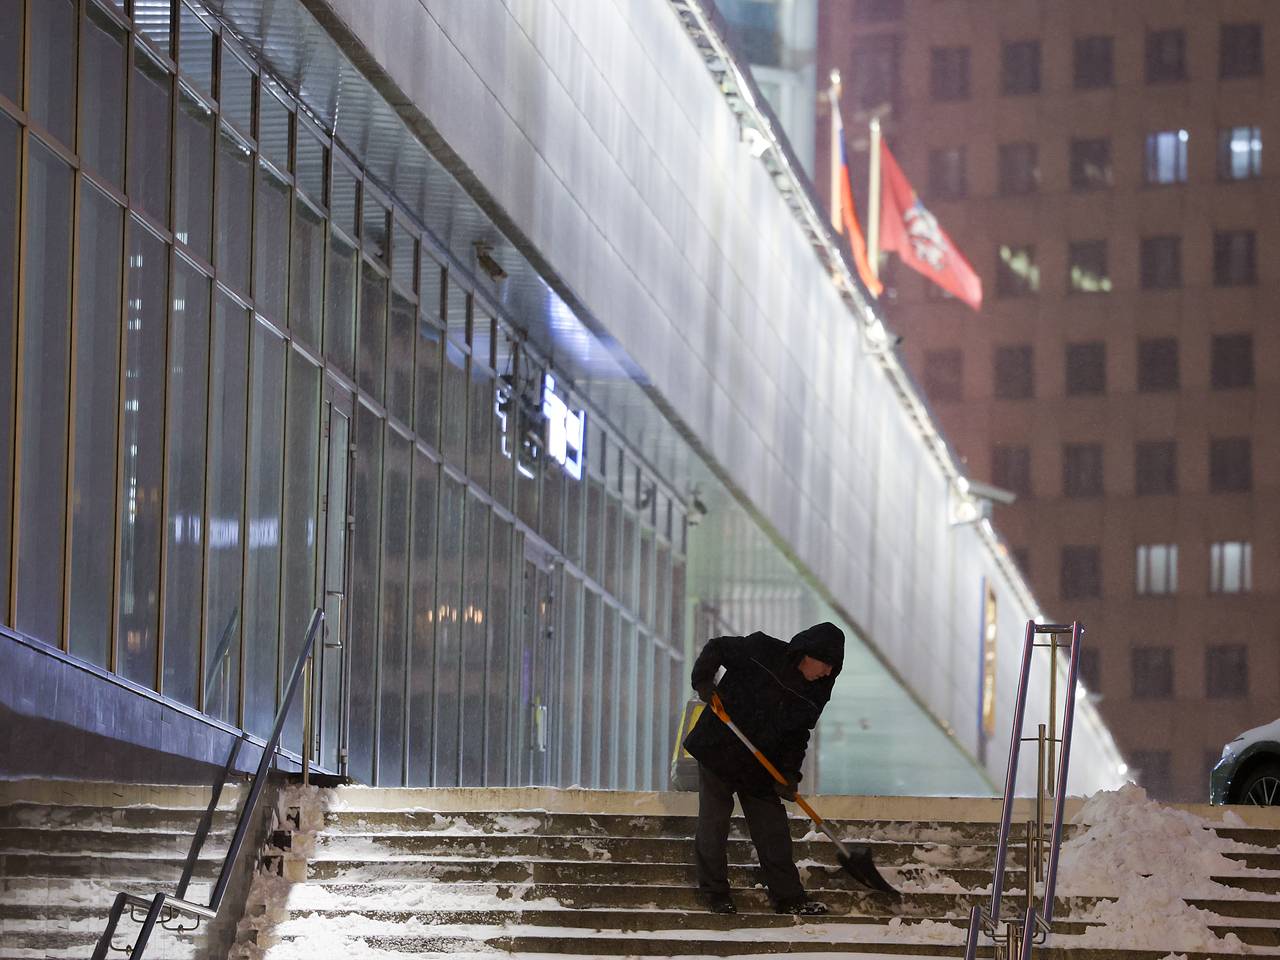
(398, 873)
(67, 848)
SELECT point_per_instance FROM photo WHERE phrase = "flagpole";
(873, 202)
(833, 96)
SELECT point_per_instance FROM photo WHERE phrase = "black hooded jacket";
(767, 698)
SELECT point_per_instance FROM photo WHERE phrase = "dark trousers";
(770, 832)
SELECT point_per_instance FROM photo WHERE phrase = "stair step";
(91, 842)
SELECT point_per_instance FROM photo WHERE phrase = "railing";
(1020, 934)
(166, 908)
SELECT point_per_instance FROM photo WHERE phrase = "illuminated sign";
(989, 662)
(566, 429)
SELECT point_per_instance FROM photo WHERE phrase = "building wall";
(264, 361)
(633, 178)
(1170, 736)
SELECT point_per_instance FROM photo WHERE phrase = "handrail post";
(264, 764)
(308, 675)
(1064, 757)
(1011, 774)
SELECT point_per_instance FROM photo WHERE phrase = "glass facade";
(248, 382)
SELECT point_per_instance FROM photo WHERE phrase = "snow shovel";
(856, 861)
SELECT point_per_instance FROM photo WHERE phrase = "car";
(1249, 771)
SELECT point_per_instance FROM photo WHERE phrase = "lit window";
(1231, 567)
(1157, 568)
(1087, 267)
(1016, 272)
(1239, 153)
(1167, 156)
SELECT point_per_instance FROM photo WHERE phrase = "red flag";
(909, 229)
(845, 218)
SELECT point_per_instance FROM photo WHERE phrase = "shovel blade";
(860, 865)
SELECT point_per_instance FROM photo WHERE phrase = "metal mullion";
(113, 14)
(18, 314)
(244, 515)
(73, 327)
(53, 144)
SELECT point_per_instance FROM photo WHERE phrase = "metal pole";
(307, 674)
(873, 202)
(975, 925)
(1068, 720)
(1053, 708)
(1031, 871)
(1040, 784)
(833, 96)
(1011, 774)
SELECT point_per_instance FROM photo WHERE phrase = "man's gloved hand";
(705, 690)
(787, 791)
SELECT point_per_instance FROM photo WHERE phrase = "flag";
(909, 229)
(844, 217)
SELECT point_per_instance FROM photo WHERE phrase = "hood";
(822, 641)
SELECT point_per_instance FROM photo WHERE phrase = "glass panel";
(395, 589)
(193, 175)
(9, 190)
(153, 18)
(228, 392)
(301, 519)
(591, 702)
(340, 304)
(149, 137)
(426, 417)
(184, 519)
(498, 670)
(474, 642)
(343, 200)
(43, 402)
(480, 443)
(645, 605)
(102, 74)
(264, 490)
(431, 287)
(644, 711)
(573, 502)
(312, 158)
(52, 97)
(662, 744)
(426, 481)
(553, 478)
(235, 91)
(678, 613)
(11, 49)
(404, 255)
(335, 488)
(570, 682)
(195, 50)
(612, 551)
(306, 291)
(610, 665)
(454, 429)
(595, 528)
(457, 308)
(362, 652)
(374, 227)
(400, 359)
(371, 342)
(662, 591)
(628, 565)
(273, 130)
(143, 451)
(628, 747)
(448, 641)
(234, 201)
(271, 245)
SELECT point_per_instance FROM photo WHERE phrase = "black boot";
(719, 903)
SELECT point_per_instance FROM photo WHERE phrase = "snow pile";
(1148, 857)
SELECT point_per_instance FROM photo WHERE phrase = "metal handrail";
(1034, 925)
(164, 907)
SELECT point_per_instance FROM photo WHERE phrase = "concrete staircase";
(399, 873)
(66, 849)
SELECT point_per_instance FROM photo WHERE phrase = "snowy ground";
(1146, 856)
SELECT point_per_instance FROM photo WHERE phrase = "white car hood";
(1268, 731)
